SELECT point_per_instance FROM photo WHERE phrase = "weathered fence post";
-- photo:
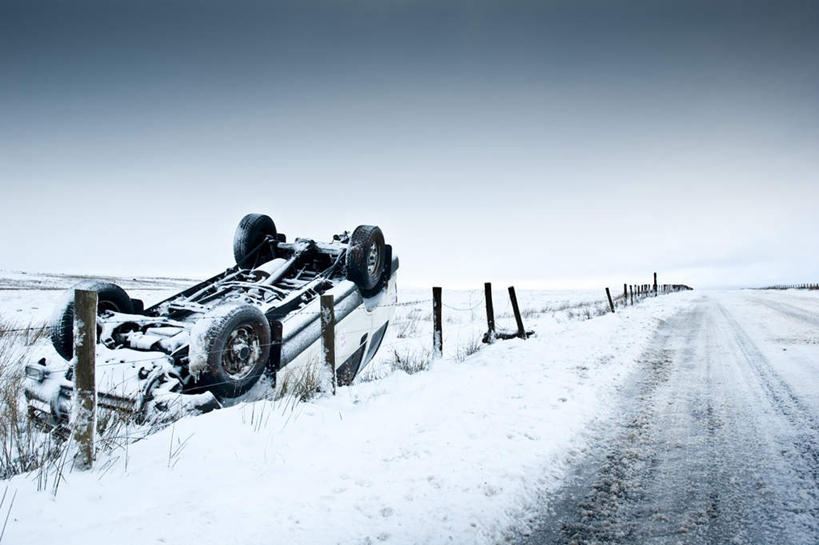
(632, 294)
(611, 303)
(437, 330)
(655, 284)
(275, 351)
(490, 313)
(625, 295)
(516, 310)
(328, 337)
(84, 413)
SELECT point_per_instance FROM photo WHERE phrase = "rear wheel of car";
(255, 241)
(366, 257)
(235, 345)
(109, 297)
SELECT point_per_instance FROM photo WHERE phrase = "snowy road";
(719, 439)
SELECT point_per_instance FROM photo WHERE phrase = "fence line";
(634, 293)
(792, 287)
(642, 291)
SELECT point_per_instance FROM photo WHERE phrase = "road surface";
(718, 438)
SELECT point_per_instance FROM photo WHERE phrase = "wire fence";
(471, 322)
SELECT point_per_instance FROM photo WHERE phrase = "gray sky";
(547, 144)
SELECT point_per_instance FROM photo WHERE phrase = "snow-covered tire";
(248, 242)
(109, 297)
(366, 259)
(229, 349)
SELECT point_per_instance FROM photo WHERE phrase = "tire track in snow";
(714, 448)
(780, 392)
(594, 506)
(781, 396)
(789, 310)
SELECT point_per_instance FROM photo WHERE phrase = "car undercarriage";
(212, 342)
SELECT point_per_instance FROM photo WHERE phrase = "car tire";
(248, 241)
(366, 259)
(109, 297)
(233, 345)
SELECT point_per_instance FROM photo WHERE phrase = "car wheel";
(249, 247)
(366, 258)
(109, 297)
(232, 346)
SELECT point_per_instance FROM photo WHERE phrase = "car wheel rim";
(372, 260)
(241, 353)
(103, 306)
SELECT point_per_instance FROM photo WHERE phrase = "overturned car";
(213, 342)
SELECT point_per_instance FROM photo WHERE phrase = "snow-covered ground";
(29, 298)
(458, 453)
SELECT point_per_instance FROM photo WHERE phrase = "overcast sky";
(546, 144)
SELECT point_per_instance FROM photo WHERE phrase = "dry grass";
(467, 349)
(23, 446)
(587, 311)
(411, 361)
(573, 311)
(302, 384)
(407, 326)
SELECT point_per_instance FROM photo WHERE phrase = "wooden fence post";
(516, 310)
(328, 337)
(490, 313)
(625, 295)
(611, 303)
(632, 294)
(437, 330)
(84, 413)
(655, 284)
(275, 351)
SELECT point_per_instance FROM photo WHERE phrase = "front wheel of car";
(230, 349)
(366, 259)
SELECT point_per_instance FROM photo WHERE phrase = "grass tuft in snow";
(25, 447)
(406, 327)
(302, 384)
(411, 361)
(22, 448)
(468, 348)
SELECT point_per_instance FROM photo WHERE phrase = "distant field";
(30, 297)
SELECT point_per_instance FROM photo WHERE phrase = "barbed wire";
(467, 309)
(303, 311)
(449, 326)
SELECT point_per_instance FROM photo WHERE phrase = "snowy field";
(459, 452)
(29, 298)
(467, 450)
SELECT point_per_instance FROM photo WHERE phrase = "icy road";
(719, 439)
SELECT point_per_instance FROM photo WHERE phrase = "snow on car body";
(213, 341)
